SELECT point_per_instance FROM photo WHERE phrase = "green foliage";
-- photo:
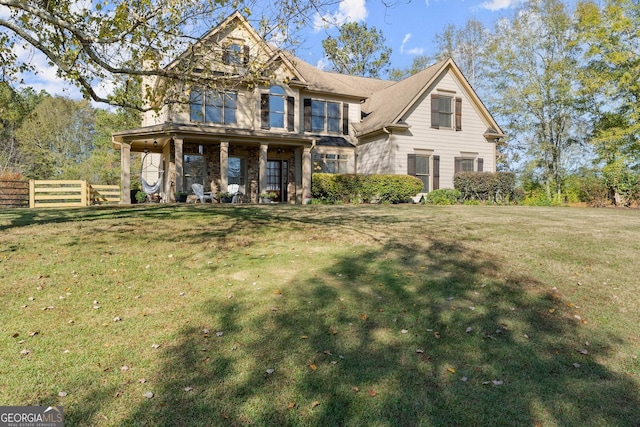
(443, 196)
(486, 187)
(350, 188)
(622, 182)
(141, 196)
(358, 50)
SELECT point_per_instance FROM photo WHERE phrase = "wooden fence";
(14, 194)
(63, 194)
(55, 194)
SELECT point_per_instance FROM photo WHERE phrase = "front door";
(277, 178)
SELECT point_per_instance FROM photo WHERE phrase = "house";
(271, 136)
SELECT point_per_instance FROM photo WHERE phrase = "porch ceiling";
(144, 137)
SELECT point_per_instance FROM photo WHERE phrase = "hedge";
(351, 188)
(486, 187)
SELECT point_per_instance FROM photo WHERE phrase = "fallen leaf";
(313, 367)
(327, 352)
(552, 310)
(291, 405)
(25, 352)
(155, 346)
(148, 395)
(117, 319)
(219, 333)
(304, 337)
(142, 380)
(333, 331)
(270, 371)
(16, 335)
(453, 371)
(464, 379)
(404, 331)
(363, 316)
(469, 329)
(497, 382)
(188, 389)
(419, 351)
(355, 389)
(62, 393)
(437, 335)
(583, 351)
(315, 403)
(576, 365)
(277, 292)
(373, 393)
(124, 368)
(206, 359)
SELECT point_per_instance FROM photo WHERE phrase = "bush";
(350, 188)
(141, 196)
(443, 196)
(486, 187)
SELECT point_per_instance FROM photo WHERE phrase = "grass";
(367, 315)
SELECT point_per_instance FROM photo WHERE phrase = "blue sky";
(408, 26)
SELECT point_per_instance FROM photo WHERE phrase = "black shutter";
(307, 114)
(435, 111)
(291, 103)
(225, 56)
(480, 165)
(457, 165)
(245, 54)
(411, 164)
(436, 172)
(345, 119)
(264, 111)
(458, 114)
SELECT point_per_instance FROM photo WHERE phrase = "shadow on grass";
(429, 333)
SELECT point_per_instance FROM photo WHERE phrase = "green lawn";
(322, 315)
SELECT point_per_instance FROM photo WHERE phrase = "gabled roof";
(340, 84)
(388, 106)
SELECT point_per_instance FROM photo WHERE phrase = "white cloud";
(494, 5)
(348, 11)
(404, 41)
(321, 64)
(416, 51)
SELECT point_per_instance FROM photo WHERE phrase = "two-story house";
(272, 136)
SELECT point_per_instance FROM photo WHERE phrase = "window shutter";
(307, 114)
(457, 165)
(264, 111)
(458, 114)
(225, 56)
(436, 172)
(345, 119)
(435, 111)
(411, 164)
(245, 54)
(480, 165)
(290, 113)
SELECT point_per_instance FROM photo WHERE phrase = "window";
(422, 171)
(193, 170)
(468, 164)
(213, 107)
(443, 109)
(276, 107)
(427, 168)
(330, 163)
(277, 110)
(323, 116)
(236, 175)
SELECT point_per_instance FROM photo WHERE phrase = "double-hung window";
(213, 107)
(326, 116)
(446, 112)
(277, 109)
(330, 163)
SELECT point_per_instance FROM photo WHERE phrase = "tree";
(106, 42)
(14, 107)
(467, 46)
(55, 138)
(610, 79)
(358, 50)
(419, 63)
(535, 59)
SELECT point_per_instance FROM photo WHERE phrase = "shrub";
(443, 196)
(141, 196)
(350, 188)
(486, 187)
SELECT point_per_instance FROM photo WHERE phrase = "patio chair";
(198, 190)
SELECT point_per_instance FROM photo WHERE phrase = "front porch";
(248, 165)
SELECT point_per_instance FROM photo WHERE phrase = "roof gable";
(388, 106)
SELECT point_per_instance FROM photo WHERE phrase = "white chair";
(198, 190)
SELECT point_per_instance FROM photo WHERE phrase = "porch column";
(263, 169)
(125, 173)
(179, 168)
(306, 174)
(224, 167)
(298, 174)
